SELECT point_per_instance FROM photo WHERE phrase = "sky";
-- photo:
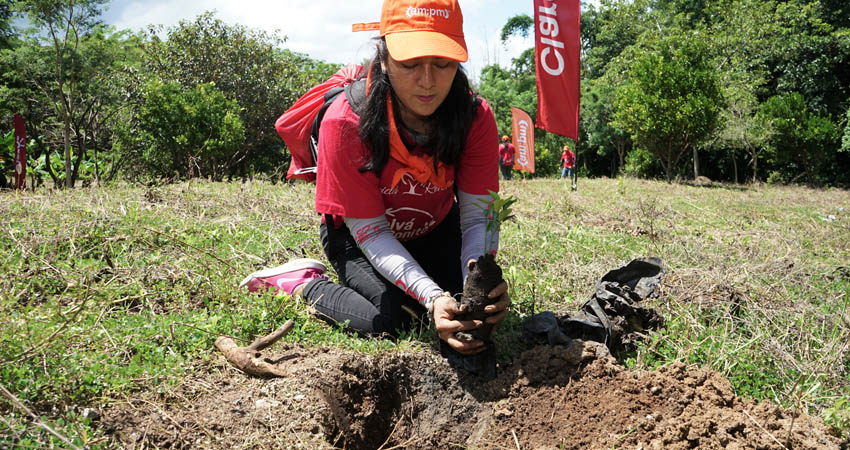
(322, 29)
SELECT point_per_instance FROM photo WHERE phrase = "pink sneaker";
(286, 277)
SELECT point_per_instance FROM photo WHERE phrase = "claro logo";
(551, 48)
(444, 13)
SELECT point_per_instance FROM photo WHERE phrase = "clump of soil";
(573, 396)
(484, 275)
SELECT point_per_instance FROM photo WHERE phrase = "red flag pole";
(20, 153)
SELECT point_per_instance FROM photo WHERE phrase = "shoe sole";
(295, 264)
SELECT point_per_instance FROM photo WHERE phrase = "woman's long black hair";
(450, 122)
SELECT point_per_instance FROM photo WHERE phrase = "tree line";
(198, 99)
(735, 90)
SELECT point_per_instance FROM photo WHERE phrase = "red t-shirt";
(413, 209)
(506, 153)
(569, 158)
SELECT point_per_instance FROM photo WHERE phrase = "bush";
(641, 163)
(188, 132)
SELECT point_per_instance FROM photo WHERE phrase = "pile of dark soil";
(573, 396)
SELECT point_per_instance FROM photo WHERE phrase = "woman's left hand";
(498, 310)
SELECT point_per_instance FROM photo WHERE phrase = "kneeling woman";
(399, 186)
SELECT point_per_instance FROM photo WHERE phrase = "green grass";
(122, 289)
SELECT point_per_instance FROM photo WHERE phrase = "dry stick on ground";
(35, 417)
(250, 359)
(203, 250)
(763, 429)
(19, 357)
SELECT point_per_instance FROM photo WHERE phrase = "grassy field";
(111, 291)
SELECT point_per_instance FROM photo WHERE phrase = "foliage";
(547, 154)
(757, 49)
(188, 131)
(60, 26)
(671, 98)
(5, 23)
(642, 163)
(743, 127)
(845, 141)
(78, 83)
(811, 56)
(7, 158)
(90, 78)
(617, 25)
(498, 211)
(247, 66)
(610, 143)
(516, 25)
(800, 138)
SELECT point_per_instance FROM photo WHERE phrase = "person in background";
(399, 187)
(506, 157)
(568, 160)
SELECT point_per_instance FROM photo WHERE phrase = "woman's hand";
(498, 310)
(445, 310)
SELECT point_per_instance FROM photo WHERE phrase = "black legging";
(369, 302)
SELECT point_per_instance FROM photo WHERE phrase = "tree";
(247, 66)
(597, 109)
(803, 141)
(811, 56)
(100, 62)
(743, 128)
(5, 23)
(107, 59)
(188, 131)
(670, 100)
(62, 24)
(19, 94)
(617, 25)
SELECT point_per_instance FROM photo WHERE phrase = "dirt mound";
(572, 396)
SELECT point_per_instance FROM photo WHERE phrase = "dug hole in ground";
(571, 395)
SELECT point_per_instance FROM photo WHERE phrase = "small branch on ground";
(250, 359)
(202, 250)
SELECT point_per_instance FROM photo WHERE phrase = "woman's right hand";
(445, 310)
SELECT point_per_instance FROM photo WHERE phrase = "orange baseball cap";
(419, 28)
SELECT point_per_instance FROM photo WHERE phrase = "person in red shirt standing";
(568, 160)
(506, 157)
(399, 185)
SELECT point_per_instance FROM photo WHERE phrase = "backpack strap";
(356, 93)
(330, 96)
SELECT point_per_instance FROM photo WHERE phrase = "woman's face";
(421, 85)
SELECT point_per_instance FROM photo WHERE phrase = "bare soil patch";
(572, 397)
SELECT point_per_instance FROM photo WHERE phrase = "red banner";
(557, 48)
(20, 152)
(522, 129)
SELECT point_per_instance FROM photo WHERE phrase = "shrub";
(188, 132)
(641, 163)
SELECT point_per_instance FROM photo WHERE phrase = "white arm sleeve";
(391, 259)
(473, 226)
